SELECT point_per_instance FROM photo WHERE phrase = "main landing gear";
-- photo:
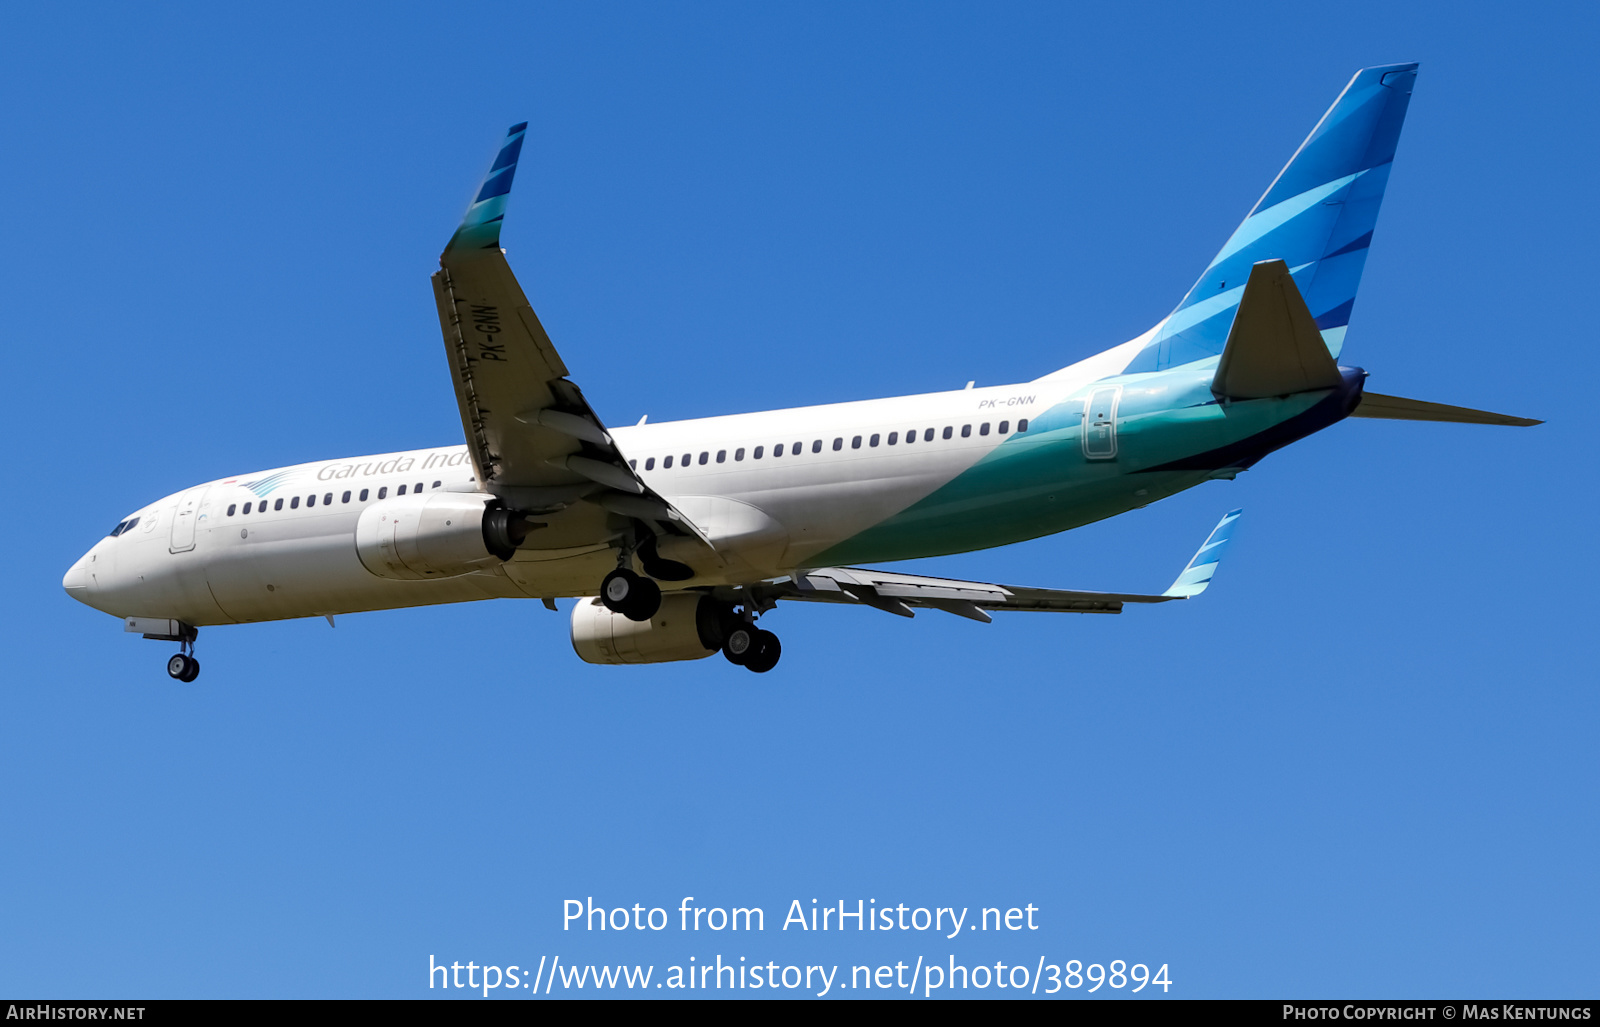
(632, 595)
(752, 648)
(638, 598)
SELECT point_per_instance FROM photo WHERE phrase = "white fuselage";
(196, 556)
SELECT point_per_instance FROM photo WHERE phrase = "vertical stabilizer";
(1317, 216)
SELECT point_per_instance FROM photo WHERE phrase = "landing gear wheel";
(625, 592)
(766, 655)
(647, 602)
(741, 643)
(183, 667)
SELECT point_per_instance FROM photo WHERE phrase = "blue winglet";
(480, 228)
(1197, 575)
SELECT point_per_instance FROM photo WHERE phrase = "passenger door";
(186, 517)
(1100, 423)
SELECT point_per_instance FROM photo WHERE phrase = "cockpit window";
(124, 527)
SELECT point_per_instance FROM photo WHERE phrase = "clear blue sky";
(1362, 764)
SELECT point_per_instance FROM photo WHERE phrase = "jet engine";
(687, 627)
(437, 535)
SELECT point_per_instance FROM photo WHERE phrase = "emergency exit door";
(1100, 423)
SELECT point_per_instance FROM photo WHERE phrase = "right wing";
(534, 440)
(899, 593)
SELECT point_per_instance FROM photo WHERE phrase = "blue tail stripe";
(1318, 216)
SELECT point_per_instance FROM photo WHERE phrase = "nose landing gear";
(183, 667)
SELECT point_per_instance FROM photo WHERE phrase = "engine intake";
(437, 535)
(687, 627)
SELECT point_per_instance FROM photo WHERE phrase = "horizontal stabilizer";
(1274, 347)
(1398, 408)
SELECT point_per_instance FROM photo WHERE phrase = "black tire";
(644, 602)
(742, 642)
(178, 666)
(767, 653)
(194, 669)
(619, 589)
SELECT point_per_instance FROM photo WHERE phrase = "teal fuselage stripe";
(1040, 483)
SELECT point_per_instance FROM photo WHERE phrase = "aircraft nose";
(76, 580)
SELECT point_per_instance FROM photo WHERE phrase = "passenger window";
(400, 491)
(278, 505)
(838, 444)
(873, 441)
(911, 436)
(894, 438)
(310, 501)
(816, 446)
(327, 499)
(738, 454)
(363, 496)
(246, 509)
(383, 493)
(686, 459)
(777, 450)
(1005, 427)
(633, 464)
(704, 456)
(855, 443)
(722, 456)
(927, 436)
(232, 509)
(983, 429)
(795, 449)
(294, 502)
(966, 431)
(948, 431)
(418, 487)
(650, 463)
(345, 498)
(667, 463)
(437, 484)
(1022, 425)
(757, 454)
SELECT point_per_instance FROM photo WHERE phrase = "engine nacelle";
(685, 628)
(436, 535)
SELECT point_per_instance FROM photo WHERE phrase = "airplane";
(677, 538)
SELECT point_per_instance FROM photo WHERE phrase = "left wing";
(534, 440)
(900, 593)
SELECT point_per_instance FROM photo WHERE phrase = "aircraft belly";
(304, 569)
(814, 508)
(569, 572)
